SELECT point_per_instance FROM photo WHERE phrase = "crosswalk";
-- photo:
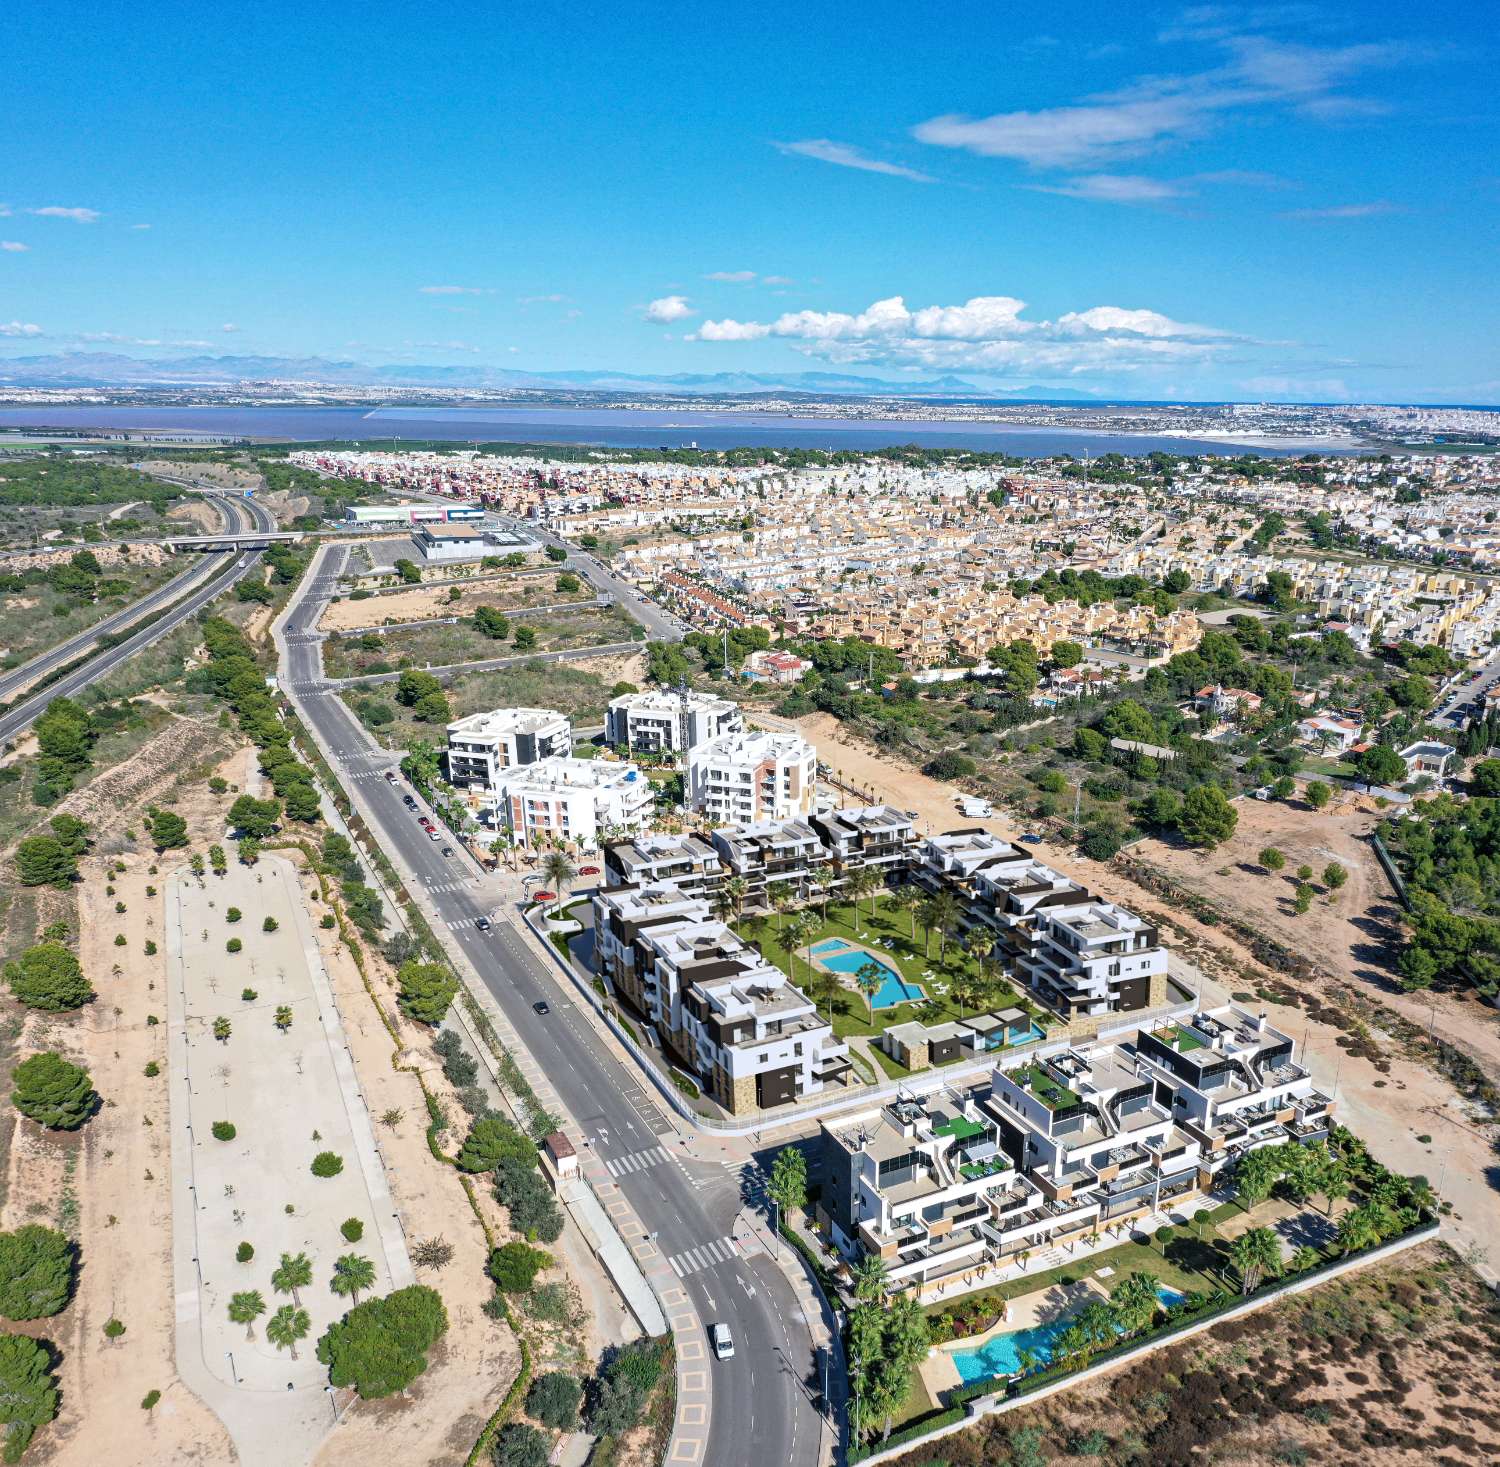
(709, 1255)
(462, 924)
(637, 1161)
(437, 888)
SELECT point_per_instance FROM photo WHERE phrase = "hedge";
(917, 1429)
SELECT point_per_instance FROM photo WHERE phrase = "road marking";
(705, 1255)
(636, 1161)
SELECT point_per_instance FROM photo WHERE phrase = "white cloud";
(556, 299)
(988, 332)
(777, 280)
(19, 328)
(1346, 211)
(732, 277)
(204, 345)
(669, 308)
(140, 226)
(1155, 112)
(6, 211)
(13, 246)
(454, 290)
(229, 326)
(113, 338)
(1113, 188)
(57, 211)
(442, 346)
(845, 155)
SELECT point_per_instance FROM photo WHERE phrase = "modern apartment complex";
(746, 777)
(669, 721)
(751, 1037)
(1092, 1136)
(578, 802)
(483, 744)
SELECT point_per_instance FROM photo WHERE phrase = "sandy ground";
(444, 1411)
(422, 603)
(116, 1174)
(1411, 1117)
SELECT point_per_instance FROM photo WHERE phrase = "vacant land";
(1393, 1365)
(509, 594)
(38, 617)
(579, 689)
(441, 645)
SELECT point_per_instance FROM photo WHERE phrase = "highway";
(191, 591)
(763, 1401)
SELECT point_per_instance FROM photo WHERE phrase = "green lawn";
(889, 932)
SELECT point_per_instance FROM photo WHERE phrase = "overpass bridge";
(238, 540)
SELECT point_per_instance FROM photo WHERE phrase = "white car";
(723, 1342)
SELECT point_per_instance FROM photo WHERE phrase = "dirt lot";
(1412, 1117)
(510, 593)
(1393, 1365)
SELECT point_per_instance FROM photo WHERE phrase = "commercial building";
(482, 744)
(413, 514)
(579, 802)
(743, 778)
(669, 721)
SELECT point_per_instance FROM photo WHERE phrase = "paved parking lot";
(290, 1094)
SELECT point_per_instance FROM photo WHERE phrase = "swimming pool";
(1000, 1355)
(840, 957)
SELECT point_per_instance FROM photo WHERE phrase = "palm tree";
(865, 882)
(291, 1274)
(221, 1029)
(1255, 1254)
(869, 1278)
(870, 977)
(737, 888)
(907, 899)
(979, 943)
(286, 1327)
(246, 1308)
(558, 871)
(944, 912)
(824, 878)
(1360, 1228)
(283, 1018)
(782, 899)
(1135, 1301)
(963, 990)
(351, 1273)
(799, 934)
(823, 987)
(723, 904)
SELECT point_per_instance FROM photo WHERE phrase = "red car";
(544, 896)
(588, 870)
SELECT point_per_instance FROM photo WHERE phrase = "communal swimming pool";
(842, 957)
(1000, 1355)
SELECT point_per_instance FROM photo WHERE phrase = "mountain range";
(110, 369)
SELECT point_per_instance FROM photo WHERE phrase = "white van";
(723, 1342)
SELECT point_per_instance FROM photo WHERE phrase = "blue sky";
(1259, 201)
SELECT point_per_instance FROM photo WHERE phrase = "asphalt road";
(763, 1400)
(202, 584)
(1470, 690)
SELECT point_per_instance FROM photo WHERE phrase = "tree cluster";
(380, 1347)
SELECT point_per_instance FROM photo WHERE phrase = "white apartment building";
(579, 801)
(1094, 958)
(744, 778)
(669, 720)
(483, 744)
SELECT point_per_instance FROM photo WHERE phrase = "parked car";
(544, 896)
(588, 870)
(434, 835)
(1031, 838)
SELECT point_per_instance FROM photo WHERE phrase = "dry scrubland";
(1394, 1365)
(505, 593)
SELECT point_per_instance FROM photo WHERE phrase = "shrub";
(152, 1069)
(48, 977)
(553, 1400)
(269, 925)
(490, 1138)
(244, 1253)
(426, 991)
(233, 914)
(36, 1272)
(520, 1445)
(150, 1399)
(53, 1093)
(327, 1164)
(150, 948)
(223, 1130)
(113, 1328)
(515, 1265)
(352, 1229)
(328, 921)
(380, 1347)
(28, 1391)
(233, 945)
(249, 995)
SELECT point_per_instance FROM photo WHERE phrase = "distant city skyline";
(1213, 202)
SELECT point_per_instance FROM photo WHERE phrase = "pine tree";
(52, 1092)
